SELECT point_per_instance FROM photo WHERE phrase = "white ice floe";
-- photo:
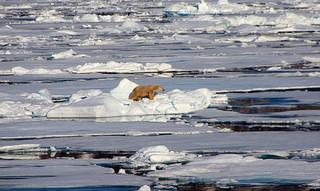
(93, 40)
(100, 18)
(94, 104)
(67, 54)
(160, 154)
(26, 105)
(50, 16)
(116, 103)
(109, 67)
(145, 188)
(292, 19)
(299, 74)
(221, 7)
(13, 148)
(315, 184)
(243, 169)
(131, 26)
(180, 9)
(19, 70)
(306, 154)
(314, 59)
(25, 152)
(119, 67)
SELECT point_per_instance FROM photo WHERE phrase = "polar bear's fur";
(145, 91)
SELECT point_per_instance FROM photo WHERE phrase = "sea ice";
(119, 67)
(221, 7)
(67, 54)
(19, 70)
(243, 169)
(116, 103)
(51, 16)
(99, 18)
(159, 154)
(26, 105)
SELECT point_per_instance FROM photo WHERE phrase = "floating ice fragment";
(100, 18)
(130, 26)
(51, 16)
(314, 59)
(119, 67)
(19, 70)
(145, 188)
(67, 54)
(86, 18)
(158, 155)
(221, 7)
(179, 9)
(12, 148)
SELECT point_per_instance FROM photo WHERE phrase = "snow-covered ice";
(117, 103)
(160, 154)
(120, 67)
(243, 170)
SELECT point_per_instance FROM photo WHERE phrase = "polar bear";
(142, 91)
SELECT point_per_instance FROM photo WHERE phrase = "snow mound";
(119, 67)
(66, 55)
(158, 155)
(116, 103)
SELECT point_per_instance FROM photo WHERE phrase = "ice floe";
(299, 74)
(50, 16)
(116, 103)
(25, 151)
(160, 154)
(19, 70)
(100, 18)
(119, 67)
(67, 54)
(15, 148)
(221, 7)
(87, 68)
(313, 59)
(95, 103)
(242, 169)
(145, 188)
(26, 105)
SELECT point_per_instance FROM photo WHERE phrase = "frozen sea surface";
(240, 108)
